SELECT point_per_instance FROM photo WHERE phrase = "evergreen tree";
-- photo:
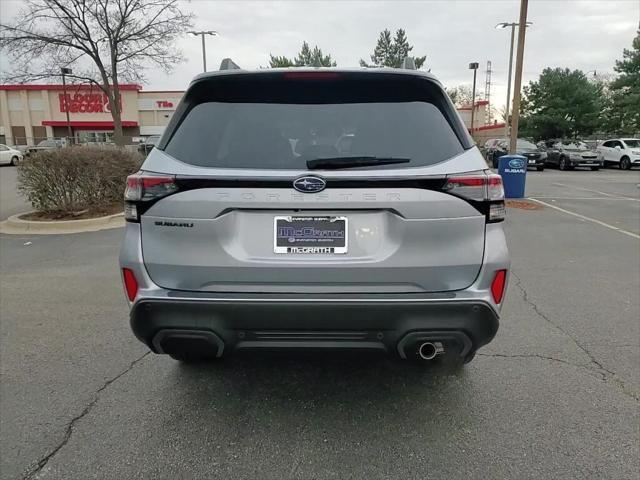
(305, 58)
(624, 106)
(562, 103)
(391, 52)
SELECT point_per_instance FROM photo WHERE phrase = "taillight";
(130, 283)
(483, 190)
(497, 286)
(143, 189)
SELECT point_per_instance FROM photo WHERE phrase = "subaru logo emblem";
(309, 184)
(516, 163)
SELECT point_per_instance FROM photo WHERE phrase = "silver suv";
(315, 209)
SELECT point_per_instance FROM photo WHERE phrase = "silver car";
(247, 228)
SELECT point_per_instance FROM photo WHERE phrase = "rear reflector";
(497, 286)
(130, 283)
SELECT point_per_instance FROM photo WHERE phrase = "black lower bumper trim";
(237, 325)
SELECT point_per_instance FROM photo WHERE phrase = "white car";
(625, 152)
(9, 156)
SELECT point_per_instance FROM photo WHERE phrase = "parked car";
(148, 144)
(234, 241)
(48, 144)
(9, 156)
(569, 154)
(624, 152)
(488, 146)
(535, 156)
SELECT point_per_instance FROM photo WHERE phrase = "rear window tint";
(282, 124)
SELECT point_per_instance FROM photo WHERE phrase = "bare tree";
(461, 95)
(105, 41)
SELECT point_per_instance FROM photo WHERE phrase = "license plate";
(532, 160)
(310, 235)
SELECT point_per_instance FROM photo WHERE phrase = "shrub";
(74, 179)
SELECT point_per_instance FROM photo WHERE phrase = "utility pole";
(473, 66)
(66, 71)
(515, 116)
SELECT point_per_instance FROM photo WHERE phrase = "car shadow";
(332, 389)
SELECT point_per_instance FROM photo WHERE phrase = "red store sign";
(85, 103)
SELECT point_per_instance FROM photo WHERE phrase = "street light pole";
(513, 30)
(513, 26)
(518, 80)
(201, 34)
(66, 71)
(473, 66)
(204, 54)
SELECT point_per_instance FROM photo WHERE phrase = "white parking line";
(583, 198)
(598, 191)
(588, 219)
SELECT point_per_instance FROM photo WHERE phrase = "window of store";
(85, 136)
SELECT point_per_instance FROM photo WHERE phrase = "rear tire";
(14, 161)
(625, 163)
(540, 169)
(595, 169)
(192, 357)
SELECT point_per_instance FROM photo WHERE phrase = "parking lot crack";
(606, 374)
(600, 375)
(70, 426)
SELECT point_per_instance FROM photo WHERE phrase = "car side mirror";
(617, 147)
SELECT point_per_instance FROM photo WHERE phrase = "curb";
(16, 226)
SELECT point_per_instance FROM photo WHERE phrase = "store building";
(32, 113)
(483, 127)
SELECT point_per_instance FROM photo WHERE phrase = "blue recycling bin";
(513, 170)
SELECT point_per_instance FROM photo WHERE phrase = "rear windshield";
(283, 124)
(632, 143)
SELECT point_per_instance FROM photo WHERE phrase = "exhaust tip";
(429, 350)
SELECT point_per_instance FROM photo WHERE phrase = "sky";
(586, 34)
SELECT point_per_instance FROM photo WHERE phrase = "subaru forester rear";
(315, 209)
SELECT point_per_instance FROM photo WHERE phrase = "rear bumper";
(535, 163)
(463, 319)
(390, 325)
(586, 163)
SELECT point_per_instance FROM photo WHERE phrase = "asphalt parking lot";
(556, 395)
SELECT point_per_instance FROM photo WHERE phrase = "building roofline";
(491, 126)
(71, 86)
(477, 104)
(162, 91)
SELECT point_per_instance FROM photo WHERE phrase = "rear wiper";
(333, 163)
